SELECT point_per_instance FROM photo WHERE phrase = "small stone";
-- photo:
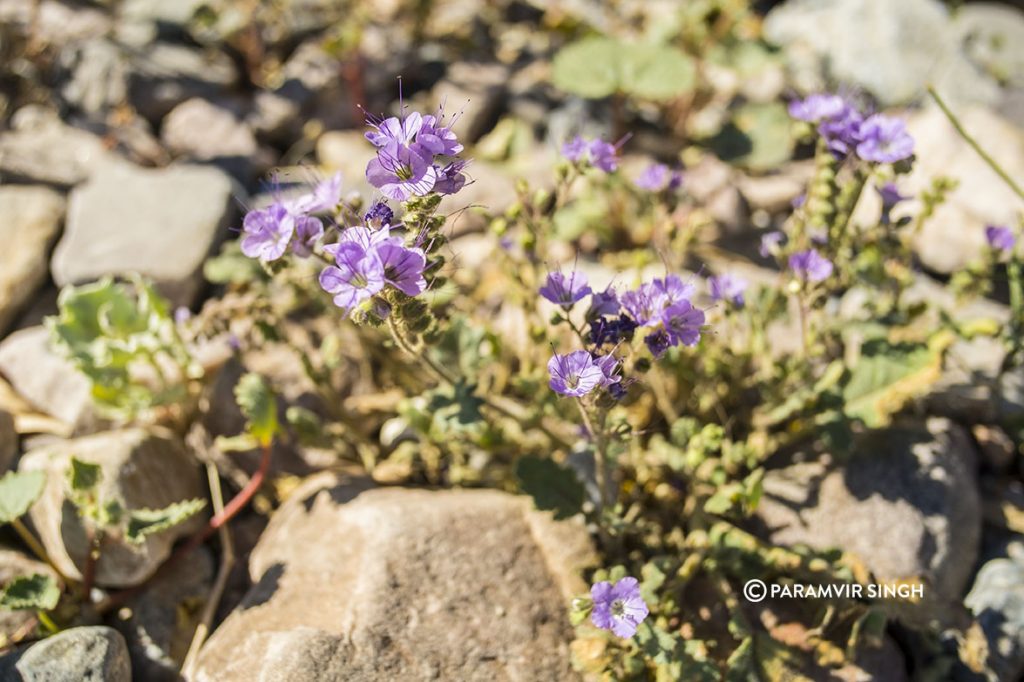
(475, 93)
(98, 79)
(905, 503)
(143, 469)
(386, 584)
(45, 379)
(95, 653)
(204, 131)
(165, 75)
(30, 219)
(997, 601)
(40, 148)
(55, 22)
(8, 441)
(132, 219)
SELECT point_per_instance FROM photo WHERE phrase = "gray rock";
(165, 75)
(159, 624)
(993, 37)
(204, 131)
(955, 234)
(98, 79)
(30, 219)
(144, 469)
(172, 12)
(387, 584)
(14, 623)
(997, 601)
(95, 653)
(40, 148)
(56, 22)
(160, 223)
(8, 441)
(905, 503)
(48, 381)
(893, 50)
(475, 93)
(973, 389)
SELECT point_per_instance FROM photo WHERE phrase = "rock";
(48, 381)
(95, 653)
(473, 92)
(775, 193)
(993, 38)
(13, 624)
(40, 148)
(349, 152)
(204, 131)
(893, 50)
(165, 75)
(972, 387)
(30, 218)
(997, 601)
(159, 624)
(98, 79)
(57, 23)
(955, 234)
(160, 223)
(144, 470)
(386, 584)
(8, 441)
(905, 504)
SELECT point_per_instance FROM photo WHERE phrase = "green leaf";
(31, 592)
(588, 68)
(551, 486)
(886, 377)
(259, 406)
(144, 522)
(656, 72)
(18, 491)
(759, 137)
(597, 67)
(84, 477)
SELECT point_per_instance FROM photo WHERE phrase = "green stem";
(1013, 271)
(47, 622)
(992, 163)
(37, 548)
(600, 462)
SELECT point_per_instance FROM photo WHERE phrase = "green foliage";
(84, 477)
(758, 137)
(552, 487)
(18, 491)
(32, 592)
(258, 404)
(145, 522)
(886, 377)
(232, 266)
(121, 336)
(598, 67)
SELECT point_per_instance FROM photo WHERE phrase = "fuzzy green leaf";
(598, 67)
(551, 486)
(258, 404)
(144, 522)
(18, 490)
(588, 68)
(656, 72)
(84, 477)
(886, 377)
(30, 592)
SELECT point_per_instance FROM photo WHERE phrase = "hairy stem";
(600, 463)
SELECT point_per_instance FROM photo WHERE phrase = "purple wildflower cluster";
(365, 260)
(618, 607)
(876, 138)
(1001, 239)
(891, 197)
(598, 153)
(658, 177)
(268, 233)
(415, 156)
(728, 287)
(810, 266)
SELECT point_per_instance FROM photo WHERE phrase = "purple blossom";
(400, 172)
(1000, 238)
(366, 238)
(611, 330)
(890, 195)
(565, 291)
(603, 155)
(403, 267)
(884, 139)
(450, 179)
(657, 177)
(604, 303)
(266, 232)
(646, 303)
(394, 130)
(575, 149)
(770, 243)
(325, 197)
(357, 275)
(683, 323)
(380, 215)
(818, 107)
(658, 342)
(308, 231)
(619, 607)
(810, 266)
(728, 287)
(575, 374)
(609, 366)
(437, 138)
(843, 132)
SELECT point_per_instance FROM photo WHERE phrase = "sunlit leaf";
(259, 406)
(31, 592)
(552, 487)
(18, 490)
(144, 522)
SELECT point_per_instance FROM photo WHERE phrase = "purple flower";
(450, 179)
(366, 238)
(324, 197)
(646, 303)
(728, 287)
(308, 231)
(609, 366)
(843, 132)
(604, 303)
(658, 342)
(683, 323)
(818, 107)
(884, 139)
(603, 155)
(657, 177)
(810, 266)
(770, 243)
(575, 149)
(564, 291)
(267, 232)
(358, 275)
(393, 130)
(380, 215)
(611, 330)
(575, 374)
(890, 195)
(619, 607)
(436, 138)
(1000, 238)
(403, 267)
(400, 172)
